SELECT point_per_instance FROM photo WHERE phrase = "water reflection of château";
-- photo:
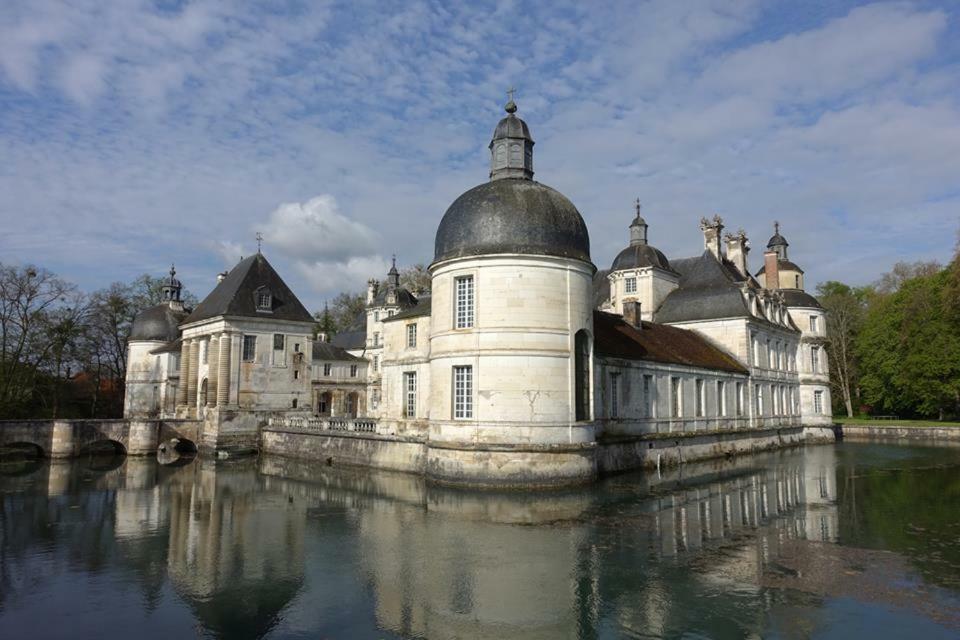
(255, 545)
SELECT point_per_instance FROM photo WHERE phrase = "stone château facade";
(524, 365)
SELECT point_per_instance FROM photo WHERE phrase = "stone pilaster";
(213, 370)
(192, 380)
(223, 369)
(184, 374)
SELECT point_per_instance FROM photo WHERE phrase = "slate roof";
(405, 299)
(783, 265)
(799, 298)
(615, 338)
(708, 289)
(327, 351)
(354, 336)
(157, 323)
(235, 295)
(422, 308)
(639, 256)
(171, 347)
(601, 287)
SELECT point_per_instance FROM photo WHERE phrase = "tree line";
(894, 346)
(63, 352)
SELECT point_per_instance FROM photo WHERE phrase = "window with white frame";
(376, 339)
(756, 349)
(376, 316)
(411, 335)
(327, 368)
(721, 398)
(463, 392)
(464, 302)
(815, 359)
(701, 397)
(676, 398)
(410, 394)
(249, 352)
(648, 396)
(813, 324)
(376, 363)
(614, 395)
(353, 371)
(630, 285)
(818, 402)
(759, 399)
(740, 402)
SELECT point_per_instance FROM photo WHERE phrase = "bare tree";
(416, 279)
(845, 313)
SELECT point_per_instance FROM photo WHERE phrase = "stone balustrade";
(316, 423)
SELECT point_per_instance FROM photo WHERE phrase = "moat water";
(853, 540)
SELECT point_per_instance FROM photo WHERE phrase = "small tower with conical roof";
(511, 149)
(170, 290)
(638, 228)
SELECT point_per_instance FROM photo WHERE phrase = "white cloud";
(316, 231)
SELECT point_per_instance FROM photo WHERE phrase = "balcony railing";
(319, 424)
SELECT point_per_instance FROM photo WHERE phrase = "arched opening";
(176, 451)
(324, 402)
(102, 448)
(352, 401)
(202, 395)
(581, 345)
(20, 458)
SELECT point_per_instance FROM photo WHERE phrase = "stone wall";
(369, 450)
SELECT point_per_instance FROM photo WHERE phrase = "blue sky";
(135, 134)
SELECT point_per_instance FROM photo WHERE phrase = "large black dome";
(512, 215)
(158, 323)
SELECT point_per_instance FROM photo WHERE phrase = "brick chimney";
(771, 270)
(711, 235)
(631, 314)
(737, 249)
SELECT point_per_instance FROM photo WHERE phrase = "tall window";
(756, 349)
(353, 371)
(204, 348)
(327, 368)
(815, 359)
(775, 399)
(376, 316)
(630, 285)
(614, 395)
(463, 392)
(740, 402)
(769, 355)
(759, 395)
(464, 302)
(376, 363)
(648, 396)
(701, 398)
(676, 398)
(411, 335)
(721, 398)
(279, 353)
(376, 339)
(249, 348)
(818, 402)
(581, 365)
(813, 324)
(410, 392)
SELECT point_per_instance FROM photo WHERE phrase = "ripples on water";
(831, 542)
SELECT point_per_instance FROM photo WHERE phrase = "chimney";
(221, 276)
(371, 290)
(711, 235)
(631, 314)
(737, 249)
(322, 336)
(771, 270)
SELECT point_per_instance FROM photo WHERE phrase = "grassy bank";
(869, 422)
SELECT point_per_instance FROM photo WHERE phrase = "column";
(192, 380)
(213, 369)
(223, 366)
(184, 373)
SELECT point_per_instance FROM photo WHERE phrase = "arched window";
(581, 343)
(516, 154)
(501, 158)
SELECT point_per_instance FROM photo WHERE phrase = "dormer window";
(263, 299)
(630, 285)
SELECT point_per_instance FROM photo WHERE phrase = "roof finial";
(776, 227)
(173, 270)
(511, 106)
(638, 206)
(259, 238)
(394, 261)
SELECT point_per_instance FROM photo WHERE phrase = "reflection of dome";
(512, 215)
(244, 609)
(158, 323)
(639, 256)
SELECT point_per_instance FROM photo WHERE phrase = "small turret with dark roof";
(639, 254)
(160, 323)
(778, 243)
(511, 149)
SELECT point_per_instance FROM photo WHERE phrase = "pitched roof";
(799, 298)
(616, 338)
(783, 265)
(327, 351)
(422, 308)
(708, 289)
(354, 336)
(235, 295)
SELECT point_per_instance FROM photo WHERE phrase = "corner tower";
(511, 342)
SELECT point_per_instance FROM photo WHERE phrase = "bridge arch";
(102, 446)
(20, 450)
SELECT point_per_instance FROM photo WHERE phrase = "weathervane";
(259, 238)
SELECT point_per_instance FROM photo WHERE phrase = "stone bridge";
(71, 438)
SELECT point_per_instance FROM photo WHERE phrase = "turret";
(511, 149)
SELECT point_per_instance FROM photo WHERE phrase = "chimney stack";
(372, 286)
(711, 235)
(771, 270)
(737, 249)
(631, 314)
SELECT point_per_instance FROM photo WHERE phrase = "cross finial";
(511, 106)
(638, 206)
(510, 93)
(259, 238)
(776, 226)
(394, 261)
(173, 270)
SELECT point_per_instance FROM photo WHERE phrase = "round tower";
(511, 329)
